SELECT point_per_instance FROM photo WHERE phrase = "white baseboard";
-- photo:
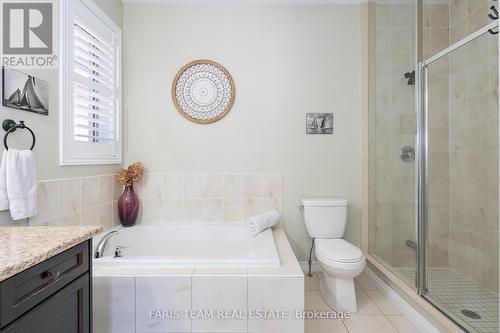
(406, 309)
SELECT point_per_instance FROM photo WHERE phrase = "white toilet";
(340, 261)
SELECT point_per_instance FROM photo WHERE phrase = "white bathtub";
(189, 245)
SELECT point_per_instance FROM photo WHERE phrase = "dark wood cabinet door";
(67, 311)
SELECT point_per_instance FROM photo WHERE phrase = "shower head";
(411, 78)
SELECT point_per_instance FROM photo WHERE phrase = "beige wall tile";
(258, 206)
(439, 16)
(47, 202)
(233, 186)
(115, 217)
(117, 190)
(479, 17)
(90, 192)
(162, 210)
(90, 216)
(72, 219)
(272, 186)
(153, 186)
(400, 16)
(213, 186)
(106, 216)
(457, 10)
(174, 186)
(213, 210)
(69, 197)
(193, 186)
(105, 189)
(193, 210)
(382, 16)
(253, 186)
(233, 210)
(401, 40)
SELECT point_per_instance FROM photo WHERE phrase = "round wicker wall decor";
(203, 91)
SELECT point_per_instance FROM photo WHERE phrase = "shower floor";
(455, 292)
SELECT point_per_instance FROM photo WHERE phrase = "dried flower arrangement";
(132, 174)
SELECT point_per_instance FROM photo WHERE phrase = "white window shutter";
(92, 84)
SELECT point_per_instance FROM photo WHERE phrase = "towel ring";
(10, 126)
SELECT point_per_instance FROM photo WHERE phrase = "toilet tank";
(325, 218)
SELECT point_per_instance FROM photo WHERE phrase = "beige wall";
(286, 61)
(46, 128)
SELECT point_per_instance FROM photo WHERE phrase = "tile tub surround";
(23, 247)
(207, 197)
(78, 201)
(134, 293)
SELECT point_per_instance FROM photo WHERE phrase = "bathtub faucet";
(103, 243)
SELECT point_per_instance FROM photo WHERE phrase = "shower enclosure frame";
(422, 157)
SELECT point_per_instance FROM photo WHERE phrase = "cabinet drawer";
(67, 311)
(25, 290)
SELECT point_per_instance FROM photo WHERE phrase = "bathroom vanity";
(47, 290)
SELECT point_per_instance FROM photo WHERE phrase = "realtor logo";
(27, 28)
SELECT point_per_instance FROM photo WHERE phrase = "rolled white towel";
(258, 223)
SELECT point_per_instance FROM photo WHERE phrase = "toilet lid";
(338, 250)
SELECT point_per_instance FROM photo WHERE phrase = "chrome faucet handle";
(118, 250)
(103, 243)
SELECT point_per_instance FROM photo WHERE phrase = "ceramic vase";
(128, 206)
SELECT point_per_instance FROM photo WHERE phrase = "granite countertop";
(24, 247)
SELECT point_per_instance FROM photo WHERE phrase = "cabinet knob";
(51, 275)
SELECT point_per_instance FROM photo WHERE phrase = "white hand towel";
(258, 223)
(21, 183)
(4, 200)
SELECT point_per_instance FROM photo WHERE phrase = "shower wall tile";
(473, 157)
(382, 16)
(479, 17)
(393, 187)
(439, 16)
(400, 16)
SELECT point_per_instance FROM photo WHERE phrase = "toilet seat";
(339, 254)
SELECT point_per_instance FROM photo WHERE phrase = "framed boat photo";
(24, 92)
(319, 123)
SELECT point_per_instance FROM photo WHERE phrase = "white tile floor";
(376, 314)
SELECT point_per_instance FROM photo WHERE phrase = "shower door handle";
(407, 154)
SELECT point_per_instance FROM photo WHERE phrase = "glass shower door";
(392, 129)
(460, 272)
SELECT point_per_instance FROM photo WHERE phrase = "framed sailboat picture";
(24, 92)
(319, 123)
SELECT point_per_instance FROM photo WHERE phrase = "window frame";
(66, 97)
